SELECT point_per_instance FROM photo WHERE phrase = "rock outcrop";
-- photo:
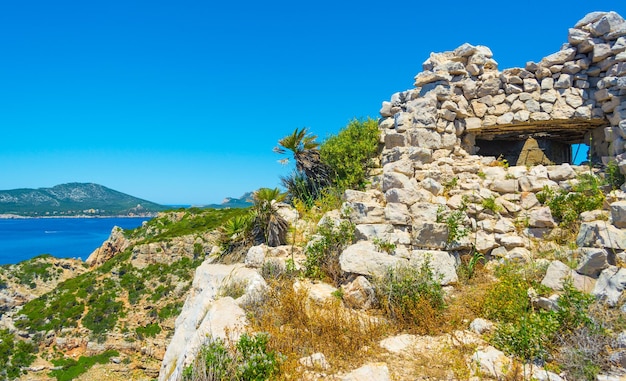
(115, 244)
(210, 313)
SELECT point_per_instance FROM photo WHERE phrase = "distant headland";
(74, 200)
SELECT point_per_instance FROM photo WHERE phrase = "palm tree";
(305, 151)
(268, 226)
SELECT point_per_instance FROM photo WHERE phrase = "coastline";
(19, 217)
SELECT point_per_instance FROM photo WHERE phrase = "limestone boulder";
(541, 218)
(601, 234)
(441, 263)
(558, 273)
(611, 285)
(115, 244)
(369, 372)
(618, 214)
(430, 235)
(359, 294)
(255, 257)
(594, 261)
(371, 231)
(561, 172)
(206, 315)
(363, 258)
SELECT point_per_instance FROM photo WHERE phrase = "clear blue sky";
(181, 102)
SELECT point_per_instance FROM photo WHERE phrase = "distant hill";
(230, 202)
(74, 199)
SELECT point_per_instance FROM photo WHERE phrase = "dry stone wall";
(433, 186)
(575, 94)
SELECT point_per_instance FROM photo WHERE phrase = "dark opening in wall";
(540, 142)
(528, 151)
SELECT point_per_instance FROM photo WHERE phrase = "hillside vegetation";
(496, 318)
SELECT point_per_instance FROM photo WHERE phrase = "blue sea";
(22, 239)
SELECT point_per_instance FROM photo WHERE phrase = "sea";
(25, 238)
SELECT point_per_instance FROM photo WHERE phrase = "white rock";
(561, 172)
(398, 344)
(610, 285)
(490, 362)
(315, 361)
(541, 218)
(558, 273)
(318, 292)
(601, 234)
(203, 316)
(255, 256)
(593, 261)
(359, 293)
(618, 214)
(369, 372)
(442, 264)
(480, 326)
(363, 258)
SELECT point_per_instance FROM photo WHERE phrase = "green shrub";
(14, 355)
(349, 154)
(322, 252)
(150, 330)
(490, 204)
(566, 206)
(248, 359)
(507, 300)
(103, 313)
(70, 368)
(412, 297)
(455, 221)
(529, 338)
(170, 310)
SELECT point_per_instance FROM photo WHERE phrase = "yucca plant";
(268, 226)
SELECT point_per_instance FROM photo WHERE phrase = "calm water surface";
(22, 239)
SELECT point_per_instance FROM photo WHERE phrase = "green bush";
(566, 206)
(70, 368)
(150, 330)
(507, 300)
(322, 252)
(103, 313)
(349, 154)
(529, 338)
(412, 296)
(455, 221)
(14, 355)
(249, 359)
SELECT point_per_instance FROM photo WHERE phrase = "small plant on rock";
(384, 246)
(491, 204)
(455, 221)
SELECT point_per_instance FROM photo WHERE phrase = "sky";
(181, 102)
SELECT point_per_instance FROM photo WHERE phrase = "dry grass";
(299, 327)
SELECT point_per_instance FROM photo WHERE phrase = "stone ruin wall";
(430, 165)
(576, 95)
